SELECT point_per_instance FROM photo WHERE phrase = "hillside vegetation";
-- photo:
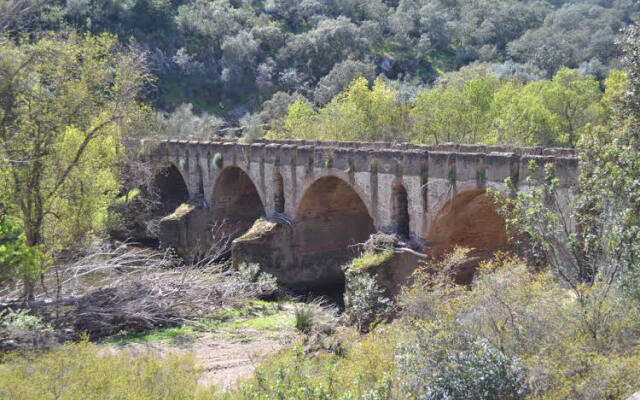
(229, 56)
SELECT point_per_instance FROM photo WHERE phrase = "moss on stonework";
(182, 210)
(369, 259)
(259, 228)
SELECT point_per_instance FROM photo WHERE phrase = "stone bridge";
(327, 196)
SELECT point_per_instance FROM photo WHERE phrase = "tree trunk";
(33, 238)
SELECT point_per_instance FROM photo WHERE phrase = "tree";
(65, 103)
(593, 244)
(574, 99)
(12, 11)
(457, 109)
(520, 117)
(340, 76)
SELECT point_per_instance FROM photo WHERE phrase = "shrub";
(479, 373)
(365, 302)
(87, 371)
(304, 319)
(217, 161)
(262, 283)
(19, 329)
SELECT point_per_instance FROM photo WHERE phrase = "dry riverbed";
(227, 347)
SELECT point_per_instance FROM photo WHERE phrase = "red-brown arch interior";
(235, 200)
(330, 219)
(470, 220)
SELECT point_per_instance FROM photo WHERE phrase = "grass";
(275, 322)
(256, 315)
(176, 335)
(370, 260)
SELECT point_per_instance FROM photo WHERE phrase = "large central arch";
(471, 220)
(235, 201)
(331, 218)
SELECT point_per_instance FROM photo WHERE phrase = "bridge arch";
(400, 210)
(469, 219)
(330, 218)
(236, 200)
(171, 187)
(307, 183)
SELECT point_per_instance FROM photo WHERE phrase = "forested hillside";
(228, 57)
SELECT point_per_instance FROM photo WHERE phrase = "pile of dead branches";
(125, 289)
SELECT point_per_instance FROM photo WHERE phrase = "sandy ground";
(225, 361)
(224, 356)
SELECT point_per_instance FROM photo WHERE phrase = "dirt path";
(231, 351)
(226, 361)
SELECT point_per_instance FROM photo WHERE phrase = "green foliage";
(253, 277)
(365, 302)
(221, 54)
(67, 101)
(369, 259)
(304, 319)
(601, 246)
(522, 316)
(290, 376)
(468, 106)
(17, 260)
(358, 113)
(84, 370)
(217, 161)
(481, 372)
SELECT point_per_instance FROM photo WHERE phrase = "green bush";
(87, 371)
(479, 373)
(365, 302)
(304, 319)
(20, 329)
(17, 260)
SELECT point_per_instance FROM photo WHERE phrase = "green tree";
(65, 102)
(457, 110)
(520, 117)
(358, 113)
(574, 100)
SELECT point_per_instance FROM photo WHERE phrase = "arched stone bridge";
(332, 195)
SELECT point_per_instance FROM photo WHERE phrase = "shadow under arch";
(278, 192)
(171, 189)
(235, 201)
(400, 210)
(330, 219)
(470, 220)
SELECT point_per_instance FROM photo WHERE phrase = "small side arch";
(278, 192)
(400, 210)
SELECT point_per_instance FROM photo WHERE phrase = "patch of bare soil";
(226, 361)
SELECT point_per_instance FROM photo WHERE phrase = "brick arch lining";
(471, 220)
(330, 219)
(235, 200)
